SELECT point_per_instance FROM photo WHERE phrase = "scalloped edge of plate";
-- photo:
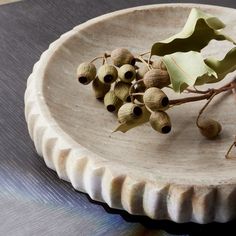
(74, 163)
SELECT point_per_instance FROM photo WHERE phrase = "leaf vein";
(184, 72)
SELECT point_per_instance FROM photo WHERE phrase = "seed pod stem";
(203, 109)
(105, 55)
(132, 89)
(144, 53)
(137, 94)
(227, 156)
(96, 58)
(143, 61)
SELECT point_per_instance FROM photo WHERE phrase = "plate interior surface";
(183, 156)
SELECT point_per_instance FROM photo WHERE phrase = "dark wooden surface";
(33, 200)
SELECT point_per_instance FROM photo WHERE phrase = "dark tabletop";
(33, 200)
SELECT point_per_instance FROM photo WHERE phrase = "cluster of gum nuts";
(128, 89)
(120, 84)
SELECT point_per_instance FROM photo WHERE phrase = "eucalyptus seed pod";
(121, 90)
(127, 73)
(112, 102)
(156, 78)
(209, 128)
(160, 121)
(159, 64)
(129, 112)
(141, 72)
(139, 88)
(86, 72)
(100, 89)
(155, 99)
(122, 56)
(107, 74)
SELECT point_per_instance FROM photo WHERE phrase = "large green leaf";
(124, 127)
(198, 31)
(187, 69)
(223, 67)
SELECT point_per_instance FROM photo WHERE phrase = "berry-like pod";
(107, 74)
(159, 64)
(127, 73)
(86, 72)
(112, 102)
(156, 78)
(155, 99)
(129, 112)
(141, 72)
(122, 56)
(100, 89)
(139, 76)
(121, 90)
(209, 128)
(139, 88)
(160, 121)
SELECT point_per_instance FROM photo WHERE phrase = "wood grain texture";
(31, 195)
(70, 127)
(8, 1)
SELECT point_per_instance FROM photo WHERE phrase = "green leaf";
(187, 69)
(136, 122)
(223, 67)
(198, 31)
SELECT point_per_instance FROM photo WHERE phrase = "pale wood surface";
(33, 200)
(8, 1)
(72, 131)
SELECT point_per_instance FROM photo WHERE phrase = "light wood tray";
(179, 176)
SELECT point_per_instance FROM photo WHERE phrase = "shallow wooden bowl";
(180, 176)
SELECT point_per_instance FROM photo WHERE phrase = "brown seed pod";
(209, 128)
(122, 56)
(129, 112)
(155, 99)
(86, 72)
(141, 72)
(156, 78)
(112, 102)
(159, 64)
(107, 74)
(100, 89)
(127, 73)
(121, 90)
(160, 121)
(139, 88)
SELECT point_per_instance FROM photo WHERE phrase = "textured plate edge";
(179, 203)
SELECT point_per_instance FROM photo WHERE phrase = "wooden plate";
(180, 176)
